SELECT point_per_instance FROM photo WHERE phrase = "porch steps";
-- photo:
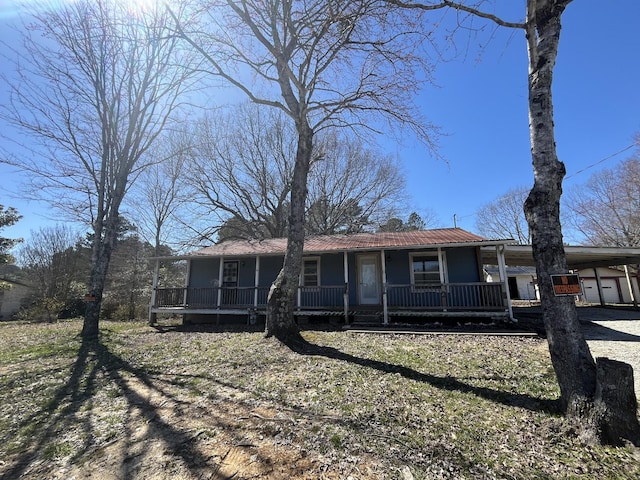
(366, 319)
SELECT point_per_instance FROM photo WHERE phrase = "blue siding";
(204, 272)
(269, 269)
(398, 268)
(463, 265)
(332, 269)
(353, 279)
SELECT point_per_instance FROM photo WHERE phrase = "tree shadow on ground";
(67, 409)
(303, 347)
(599, 331)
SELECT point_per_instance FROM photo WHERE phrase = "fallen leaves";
(204, 404)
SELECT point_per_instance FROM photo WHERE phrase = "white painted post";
(443, 280)
(346, 288)
(185, 297)
(633, 297)
(256, 282)
(504, 279)
(220, 278)
(385, 311)
(599, 285)
(187, 280)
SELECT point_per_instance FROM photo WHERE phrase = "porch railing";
(451, 296)
(321, 297)
(324, 297)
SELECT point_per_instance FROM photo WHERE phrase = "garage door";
(609, 291)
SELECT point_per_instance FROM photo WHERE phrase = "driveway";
(615, 335)
(610, 332)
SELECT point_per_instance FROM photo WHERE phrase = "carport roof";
(578, 257)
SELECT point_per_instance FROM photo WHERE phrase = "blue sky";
(481, 103)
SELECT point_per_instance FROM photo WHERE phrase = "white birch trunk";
(570, 355)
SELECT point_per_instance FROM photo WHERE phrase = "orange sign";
(564, 285)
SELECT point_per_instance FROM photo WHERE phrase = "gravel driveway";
(614, 334)
(610, 332)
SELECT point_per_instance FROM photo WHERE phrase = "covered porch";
(380, 285)
(478, 299)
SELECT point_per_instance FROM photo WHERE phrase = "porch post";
(502, 268)
(185, 297)
(346, 287)
(220, 272)
(256, 283)
(187, 278)
(385, 311)
(154, 286)
(633, 297)
(599, 285)
(443, 280)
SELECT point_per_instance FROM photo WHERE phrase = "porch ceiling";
(577, 257)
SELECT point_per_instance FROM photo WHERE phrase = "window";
(425, 270)
(310, 272)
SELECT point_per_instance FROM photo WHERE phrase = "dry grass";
(172, 403)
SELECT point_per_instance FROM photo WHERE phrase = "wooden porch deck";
(462, 300)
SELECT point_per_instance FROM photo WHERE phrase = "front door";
(368, 280)
(229, 283)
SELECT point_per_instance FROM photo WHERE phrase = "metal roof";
(442, 237)
(578, 257)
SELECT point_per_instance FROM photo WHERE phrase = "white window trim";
(440, 256)
(301, 280)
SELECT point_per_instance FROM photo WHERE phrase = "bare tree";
(54, 267)
(241, 169)
(129, 282)
(161, 193)
(323, 63)
(572, 360)
(93, 97)
(606, 210)
(351, 187)
(504, 217)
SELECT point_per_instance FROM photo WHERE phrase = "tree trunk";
(601, 400)
(616, 405)
(280, 321)
(570, 355)
(100, 259)
(90, 326)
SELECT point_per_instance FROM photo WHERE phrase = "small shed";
(12, 295)
(522, 281)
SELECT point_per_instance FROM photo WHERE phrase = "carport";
(578, 258)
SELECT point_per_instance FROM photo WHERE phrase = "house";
(372, 277)
(521, 280)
